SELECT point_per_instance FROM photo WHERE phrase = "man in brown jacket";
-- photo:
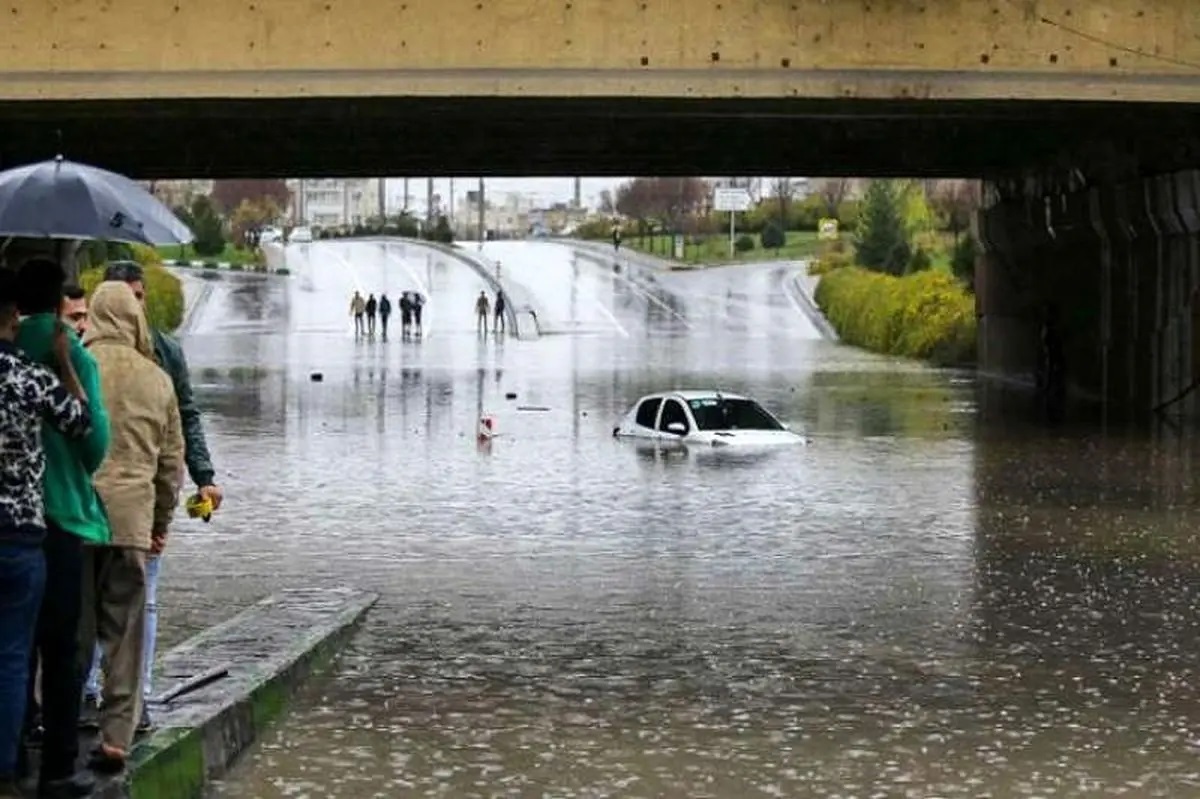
(139, 484)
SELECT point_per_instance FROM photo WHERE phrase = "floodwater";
(920, 603)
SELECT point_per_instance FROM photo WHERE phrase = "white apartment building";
(506, 214)
(334, 202)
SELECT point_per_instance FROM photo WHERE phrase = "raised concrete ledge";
(262, 655)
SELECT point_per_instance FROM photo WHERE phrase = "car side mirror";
(678, 428)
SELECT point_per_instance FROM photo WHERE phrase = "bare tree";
(833, 192)
(954, 201)
(782, 191)
(230, 194)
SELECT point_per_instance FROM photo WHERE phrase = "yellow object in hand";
(199, 507)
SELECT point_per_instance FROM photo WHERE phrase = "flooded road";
(918, 603)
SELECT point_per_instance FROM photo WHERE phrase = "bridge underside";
(368, 136)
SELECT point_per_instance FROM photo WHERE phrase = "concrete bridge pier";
(1121, 261)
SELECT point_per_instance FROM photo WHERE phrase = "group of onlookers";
(97, 423)
(364, 311)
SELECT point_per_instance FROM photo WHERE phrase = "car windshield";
(731, 414)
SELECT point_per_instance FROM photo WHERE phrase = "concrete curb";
(190, 312)
(223, 266)
(266, 652)
(807, 305)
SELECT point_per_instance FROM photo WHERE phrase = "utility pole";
(578, 193)
(482, 205)
(429, 201)
(383, 201)
(405, 203)
(452, 227)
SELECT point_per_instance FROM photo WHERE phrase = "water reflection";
(918, 604)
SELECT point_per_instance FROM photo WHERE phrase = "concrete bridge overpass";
(1083, 115)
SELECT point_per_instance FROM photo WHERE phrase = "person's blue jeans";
(22, 581)
(92, 687)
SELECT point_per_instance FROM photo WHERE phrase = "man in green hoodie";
(74, 515)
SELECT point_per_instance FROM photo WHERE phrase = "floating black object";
(512, 395)
(317, 377)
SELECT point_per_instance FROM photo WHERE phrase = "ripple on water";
(913, 606)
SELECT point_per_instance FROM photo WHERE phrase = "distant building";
(509, 217)
(334, 202)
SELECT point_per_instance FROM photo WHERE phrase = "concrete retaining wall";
(1122, 262)
(265, 652)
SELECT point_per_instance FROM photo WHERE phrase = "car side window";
(647, 414)
(673, 413)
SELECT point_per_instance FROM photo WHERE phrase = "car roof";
(695, 395)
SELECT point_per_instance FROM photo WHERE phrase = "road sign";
(828, 229)
(731, 200)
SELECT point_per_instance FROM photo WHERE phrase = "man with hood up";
(139, 484)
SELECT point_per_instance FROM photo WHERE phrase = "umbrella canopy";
(64, 200)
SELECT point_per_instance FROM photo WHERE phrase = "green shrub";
(164, 292)
(923, 315)
(920, 260)
(833, 255)
(181, 262)
(743, 243)
(962, 261)
(283, 271)
(210, 265)
(236, 268)
(773, 237)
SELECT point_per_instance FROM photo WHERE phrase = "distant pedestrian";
(371, 308)
(616, 237)
(500, 325)
(482, 311)
(385, 311)
(30, 396)
(405, 314)
(418, 307)
(358, 307)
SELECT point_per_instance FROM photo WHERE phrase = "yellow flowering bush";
(925, 315)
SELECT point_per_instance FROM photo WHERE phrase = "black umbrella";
(64, 200)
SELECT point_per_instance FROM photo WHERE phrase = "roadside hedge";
(164, 292)
(927, 315)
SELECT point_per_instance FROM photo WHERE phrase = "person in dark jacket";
(501, 308)
(169, 355)
(405, 314)
(385, 312)
(372, 307)
(418, 307)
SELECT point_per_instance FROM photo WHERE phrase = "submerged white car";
(706, 418)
